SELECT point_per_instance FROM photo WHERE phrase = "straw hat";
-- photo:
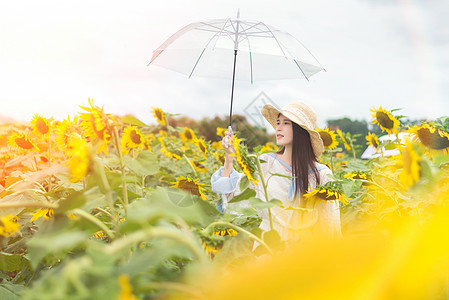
(301, 114)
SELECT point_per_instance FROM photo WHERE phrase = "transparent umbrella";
(244, 49)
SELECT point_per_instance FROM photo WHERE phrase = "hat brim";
(271, 114)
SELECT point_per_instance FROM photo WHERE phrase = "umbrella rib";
(300, 69)
(197, 61)
(280, 47)
(245, 36)
(204, 49)
(211, 30)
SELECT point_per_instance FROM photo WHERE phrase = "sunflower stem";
(93, 220)
(239, 229)
(352, 147)
(7, 205)
(332, 162)
(265, 190)
(191, 165)
(122, 169)
(154, 232)
(108, 190)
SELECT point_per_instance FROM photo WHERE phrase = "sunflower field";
(100, 206)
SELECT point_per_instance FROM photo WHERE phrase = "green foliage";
(125, 227)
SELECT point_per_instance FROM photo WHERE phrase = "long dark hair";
(303, 159)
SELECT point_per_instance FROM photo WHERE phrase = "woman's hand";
(226, 142)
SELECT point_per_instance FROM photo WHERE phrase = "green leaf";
(131, 120)
(145, 164)
(75, 200)
(42, 245)
(165, 204)
(10, 291)
(246, 194)
(390, 146)
(349, 187)
(234, 248)
(244, 182)
(299, 209)
(259, 204)
(10, 262)
(273, 239)
(281, 175)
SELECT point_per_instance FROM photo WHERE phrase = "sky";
(55, 55)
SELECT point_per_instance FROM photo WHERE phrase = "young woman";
(301, 145)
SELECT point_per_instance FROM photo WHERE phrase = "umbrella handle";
(226, 145)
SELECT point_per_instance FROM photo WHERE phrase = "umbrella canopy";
(210, 49)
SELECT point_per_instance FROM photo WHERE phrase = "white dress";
(323, 218)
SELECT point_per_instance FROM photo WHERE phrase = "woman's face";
(284, 131)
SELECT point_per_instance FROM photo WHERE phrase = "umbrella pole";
(232, 89)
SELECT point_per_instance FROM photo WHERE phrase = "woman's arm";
(230, 150)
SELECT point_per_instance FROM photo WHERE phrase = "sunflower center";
(23, 143)
(384, 120)
(135, 137)
(433, 140)
(94, 122)
(190, 187)
(202, 148)
(327, 138)
(158, 115)
(325, 196)
(188, 135)
(42, 126)
(374, 143)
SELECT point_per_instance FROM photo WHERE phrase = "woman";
(301, 145)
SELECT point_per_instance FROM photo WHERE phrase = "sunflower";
(325, 194)
(133, 138)
(165, 151)
(188, 135)
(221, 131)
(435, 139)
(269, 147)
(226, 232)
(385, 120)
(216, 145)
(9, 226)
(43, 212)
(40, 125)
(97, 125)
(160, 116)
(100, 235)
(329, 138)
(219, 156)
(210, 249)
(199, 167)
(21, 142)
(163, 133)
(410, 164)
(343, 139)
(202, 146)
(66, 130)
(126, 289)
(189, 185)
(244, 162)
(80, 158)
(356, 175)
(372, 140)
